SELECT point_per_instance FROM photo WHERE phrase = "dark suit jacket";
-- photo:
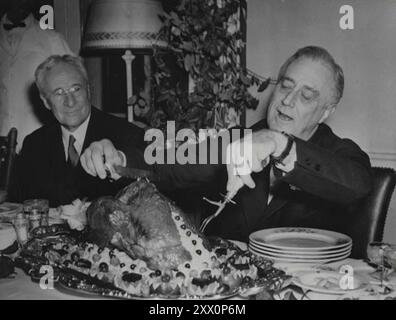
(329, 174)
(42, 172)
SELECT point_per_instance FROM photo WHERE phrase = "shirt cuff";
(289, 161)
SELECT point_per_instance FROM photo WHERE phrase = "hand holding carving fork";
(232, 191)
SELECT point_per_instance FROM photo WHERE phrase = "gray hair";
(322, 55)
(52, 61)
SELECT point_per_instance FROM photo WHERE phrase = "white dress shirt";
(79, 134)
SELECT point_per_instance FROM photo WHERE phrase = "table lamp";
(132, 25)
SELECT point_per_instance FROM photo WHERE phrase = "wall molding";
(375, 155)
(386, 159)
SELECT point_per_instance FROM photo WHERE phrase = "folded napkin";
(75, 214)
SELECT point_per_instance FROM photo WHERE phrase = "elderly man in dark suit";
(49, 166)
(298, 173)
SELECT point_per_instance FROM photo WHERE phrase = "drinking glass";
(390, 256)
(37, 211)
(381, 254)
(21, 225)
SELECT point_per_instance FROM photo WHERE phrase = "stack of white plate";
(300, 245)
(8, 211)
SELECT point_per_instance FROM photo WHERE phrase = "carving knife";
(133, 173)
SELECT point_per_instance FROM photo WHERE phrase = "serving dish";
(83, 268)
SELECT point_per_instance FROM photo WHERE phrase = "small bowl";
(3, 196)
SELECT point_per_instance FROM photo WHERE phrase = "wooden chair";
(7, 157)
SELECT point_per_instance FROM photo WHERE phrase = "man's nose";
(70, 100)
(290, 98)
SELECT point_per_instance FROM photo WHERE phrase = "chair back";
(7, 157)
(365, 220)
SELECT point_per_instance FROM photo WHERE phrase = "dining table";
(302, 282)
(20, 286)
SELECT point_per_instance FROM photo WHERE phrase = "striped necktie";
(72, 153)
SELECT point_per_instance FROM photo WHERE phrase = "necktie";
(72, 153)
(277, 172)
(274, 175)
(10, 26)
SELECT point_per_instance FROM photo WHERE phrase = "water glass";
(21, 225)
(375, 252)
(37, 211)
(390, 255)
(383, 255)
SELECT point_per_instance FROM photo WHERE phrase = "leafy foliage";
(206, 45)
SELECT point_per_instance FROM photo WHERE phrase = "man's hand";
(251, 154)
(98, 154)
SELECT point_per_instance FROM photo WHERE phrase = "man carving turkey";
(299, 172)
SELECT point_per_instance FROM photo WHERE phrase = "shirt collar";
(79, 134)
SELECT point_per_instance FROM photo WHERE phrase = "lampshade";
(121, 24)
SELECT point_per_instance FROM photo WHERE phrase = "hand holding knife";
(131, 173)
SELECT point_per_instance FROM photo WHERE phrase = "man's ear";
(89, 92)
(45, 102)
(329, 109)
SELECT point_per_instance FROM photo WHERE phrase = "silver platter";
(84, 293)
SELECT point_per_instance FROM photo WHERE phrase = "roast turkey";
(147, 225)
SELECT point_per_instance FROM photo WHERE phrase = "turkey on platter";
(146, 225)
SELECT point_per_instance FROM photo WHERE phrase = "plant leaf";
(175, 17)
(188, 46)
(215, 88)
(245, 80)
(188, 62)
(264, 85)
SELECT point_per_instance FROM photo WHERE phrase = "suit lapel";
(92, 130)
(94, 133)
(257, 211)
(282, 191)
(254, 201)
(276, 204)
(60, 174)
(57, 151)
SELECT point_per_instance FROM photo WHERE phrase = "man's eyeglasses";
(61, 93)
